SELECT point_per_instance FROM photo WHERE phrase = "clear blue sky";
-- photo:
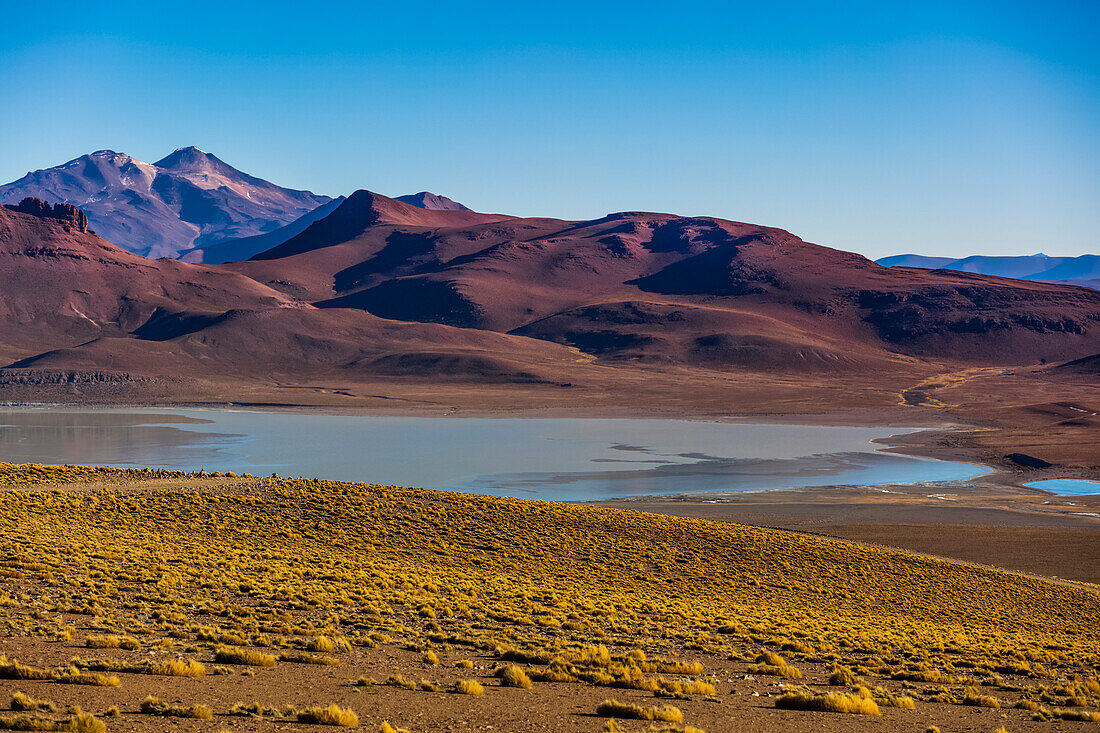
(946, 128)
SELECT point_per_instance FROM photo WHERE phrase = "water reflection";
(549, 458)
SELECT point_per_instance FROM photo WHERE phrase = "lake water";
(1067, 486)
(544, 458)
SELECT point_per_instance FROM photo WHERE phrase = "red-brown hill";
(72, 301)
(657, 287)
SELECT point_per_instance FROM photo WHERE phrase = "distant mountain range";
(189, 204)
(381, 289)
(1083, 270)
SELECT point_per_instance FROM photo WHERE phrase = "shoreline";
(922, 439)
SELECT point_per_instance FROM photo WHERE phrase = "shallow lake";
(544, 458)
(1067, 486)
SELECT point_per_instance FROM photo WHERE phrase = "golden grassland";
(169, 574)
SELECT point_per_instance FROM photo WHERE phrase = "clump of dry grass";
(832, 702)
(153, 706)
(332, 715)
(614, 709)
(387, 728)
(396, 680)
(247, 657)
(512, 676)
(430, 658)
(772, 663)
(885, 698)
(23, 702)
(255, 710)
(80, 722)
(844, 676)
(1066, 714)
(176, 668)
(112, 642)
(976, 699)
(468, 687)
(13, 670)
(74, 676)
(303, 658)
(327, 645)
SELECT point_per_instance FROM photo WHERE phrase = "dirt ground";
(977, 521)
(744, 703)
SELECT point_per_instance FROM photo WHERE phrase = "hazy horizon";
(942, 130)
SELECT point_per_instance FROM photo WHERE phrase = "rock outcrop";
(70, 215)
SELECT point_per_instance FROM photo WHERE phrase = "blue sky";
(947, 128)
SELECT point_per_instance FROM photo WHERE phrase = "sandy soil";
(984, 521)
(744, 703)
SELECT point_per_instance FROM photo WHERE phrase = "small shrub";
(321, 644)
(430, 658)
(387, 728)
(833, 702)
(21, 701)
(13, 670)
(82, 722)
(255, 710)
(247, 657)
(73, 676)
(772, 663)
(177, 668)
(844, 676)
(469, 687)
(112, 642)
(153, 706)
(396, 680)
(332, 715)
(512, 676)
(615, 709)
(1065, 714)
(303, 658)
(973, 697)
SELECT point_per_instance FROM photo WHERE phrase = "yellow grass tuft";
(22, 701)
(469, 687)
(74, 676)
(512, 676)
(177, 668)
(772, 663)
(153, 706)
(332, 715)
(387, 728)
(832, 702)
(248, 657)
(614, 709)
(975, 698)
(112, 642)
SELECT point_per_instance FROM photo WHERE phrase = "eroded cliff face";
(71, 216)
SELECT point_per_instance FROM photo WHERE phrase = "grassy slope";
(277, 563)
